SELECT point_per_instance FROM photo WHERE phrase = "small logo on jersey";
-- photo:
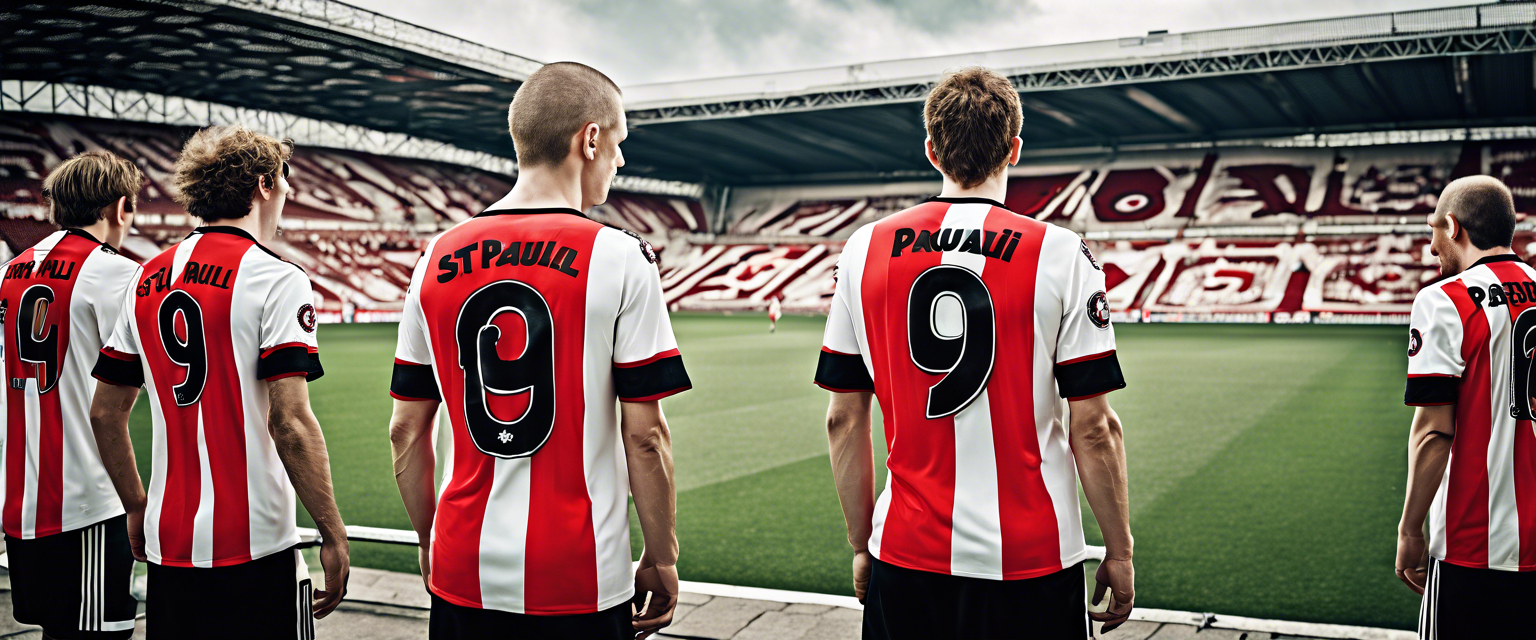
(1089, 254)
(307, 318)
(4, 305)
(645, 247)
(1415, 342)
(504, 437)
(1098, 310)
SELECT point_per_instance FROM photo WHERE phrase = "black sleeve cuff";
(842, 373)
(1425, 391)
(118, 370)
(290, 361)
(1081, 379)
(413, 381)
(653, 380)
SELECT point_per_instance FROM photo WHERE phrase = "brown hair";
(972, 116)
(556, 102)
(84, 185)
(220, 167)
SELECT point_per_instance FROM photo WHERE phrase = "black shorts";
(270, 597)
(1472, 603)
(455, 622)
(75, 584)
(907, 603)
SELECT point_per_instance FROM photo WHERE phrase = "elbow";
(1099, 433)
(650, 440)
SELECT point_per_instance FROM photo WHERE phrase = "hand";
(660, 583)
(136, 534)
(862, 564)
(335, 558)
(1118, 579)
(1412, 561)
(424, 557)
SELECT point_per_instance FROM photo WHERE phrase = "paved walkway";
(385, 605)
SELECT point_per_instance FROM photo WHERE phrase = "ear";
(124, 209)
(928, 150)
(264, 187)
(589, 136)
(1455, 225)
(1016, 146)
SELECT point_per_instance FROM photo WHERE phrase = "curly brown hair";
(81, 189)
(972, 116)
(219, 169)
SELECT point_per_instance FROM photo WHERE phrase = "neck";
(994, 188)
(545, 188)
(102, 231)
(1474, 254)
(251, 224)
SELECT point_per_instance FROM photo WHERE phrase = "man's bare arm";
(853, 473)
(648, 448)
(301, 446)
(110, 409)
(1098, 445)
(410, 441)
(1429, 450)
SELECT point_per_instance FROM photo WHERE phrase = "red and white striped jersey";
(58, 303)
(972, 325)
(1471, 343)
(212, 319)
(529, 324)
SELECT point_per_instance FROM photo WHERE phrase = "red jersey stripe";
(16, 431)
(1467, 492)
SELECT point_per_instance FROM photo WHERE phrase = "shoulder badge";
(1089, 254)
(307, 318)
(645, 247)
(1098, 310)
(1415, 342)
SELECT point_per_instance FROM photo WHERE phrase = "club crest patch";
(1089, 254)
(307, 318)
(1415, 342)
(645, 247)
(1098, 310)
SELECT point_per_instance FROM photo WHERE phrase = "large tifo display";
(1239, 234)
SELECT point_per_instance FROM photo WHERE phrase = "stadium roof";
(328, 62)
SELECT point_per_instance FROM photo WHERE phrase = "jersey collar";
(234, 231)
(530, 211)
(970, 201)
(83, 234)
(1504, 257)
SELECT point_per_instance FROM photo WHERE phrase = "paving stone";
(844, 613)
(1133, 630)
(681, 612)
(777, 625)
(693, 598)
(723, 617)
(358, 625)
(1176, 632)
(808, 609)
(838, 624)
(8, 624)
(388, 587)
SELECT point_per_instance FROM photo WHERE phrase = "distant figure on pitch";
(546, 335)
(222, 331)
(773, 314)
(986, 336)
(1471, 449)
(58, 304)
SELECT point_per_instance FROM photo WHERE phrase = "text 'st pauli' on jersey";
(208, 322)
(1471, 343)
(529, 324)
(972, 325)
(58, 303)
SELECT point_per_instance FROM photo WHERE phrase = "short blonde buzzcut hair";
(972, 116)
(219, 168)
(556, 102)
(83, 186)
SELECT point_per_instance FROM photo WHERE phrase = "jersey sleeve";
(288, 346)
(118, 363)
(646, 363)
(1086, 365)
(413, 378)
(840, 367)
(1435, 363)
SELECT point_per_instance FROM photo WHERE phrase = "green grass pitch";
(1267, 463)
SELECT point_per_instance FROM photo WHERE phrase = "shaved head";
(556, 102)
(1484, 207)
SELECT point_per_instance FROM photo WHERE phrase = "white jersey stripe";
(202, 523)
(603, 458)
(503, 537)
(1058, 469)
(34, 413)
(1503, 522)
(976, 540)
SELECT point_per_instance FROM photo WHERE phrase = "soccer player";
(222, 331)
(1471, 449)
(531, 322)
(65, 529)
(981, 331)
(774, 311)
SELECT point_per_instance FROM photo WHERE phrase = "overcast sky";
(639, 41)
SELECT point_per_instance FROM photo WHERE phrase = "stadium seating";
(1266, 234)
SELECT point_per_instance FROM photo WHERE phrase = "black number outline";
(1522, 348)
(26, 320)
(500, 292)
(967, 276)
(167, 322)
